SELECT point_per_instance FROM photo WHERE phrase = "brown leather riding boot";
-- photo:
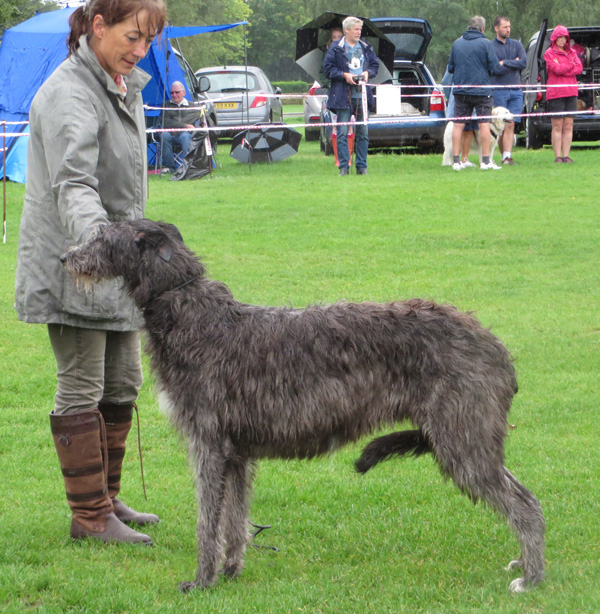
(117, 419)
(78, 441)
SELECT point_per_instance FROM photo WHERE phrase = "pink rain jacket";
(562, 67)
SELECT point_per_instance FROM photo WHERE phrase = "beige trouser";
(93, 366)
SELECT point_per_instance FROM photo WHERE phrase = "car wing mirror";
(203, 85)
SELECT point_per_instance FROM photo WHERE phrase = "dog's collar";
(493, 130)
(185, 283)
(146, 306)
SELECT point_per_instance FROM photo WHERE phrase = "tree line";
(270, 37)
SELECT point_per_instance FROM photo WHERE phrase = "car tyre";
(533, 138)
(436, 148)
(326, 146)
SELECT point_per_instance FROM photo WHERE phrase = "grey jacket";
(86, 166)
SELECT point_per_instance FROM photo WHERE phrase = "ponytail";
(80, 24)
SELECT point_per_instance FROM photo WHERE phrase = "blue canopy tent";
(28, 55)
(31, 51)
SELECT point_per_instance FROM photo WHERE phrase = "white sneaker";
(457, 166)
(467, 164)
(490, 165)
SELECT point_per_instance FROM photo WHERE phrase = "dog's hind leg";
(210, 490)
(239, 476)
(481, 477)
(524, 513)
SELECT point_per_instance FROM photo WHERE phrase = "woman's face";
(121, 46)
(561, 41)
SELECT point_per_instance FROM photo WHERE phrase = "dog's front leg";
(239, 476)
(210, 490)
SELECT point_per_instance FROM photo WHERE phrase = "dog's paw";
(518, 563)
(518, 586)
(186, 587)
(232, 570)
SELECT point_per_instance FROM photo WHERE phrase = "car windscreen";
(231, 81)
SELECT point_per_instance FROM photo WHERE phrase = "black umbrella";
(312, 39)
(271, 144)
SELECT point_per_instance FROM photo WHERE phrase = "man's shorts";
(511, 99)
(562, 105)
(465, 104)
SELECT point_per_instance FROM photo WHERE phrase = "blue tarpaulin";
(31, 51)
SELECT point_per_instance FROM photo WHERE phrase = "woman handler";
(86, 168)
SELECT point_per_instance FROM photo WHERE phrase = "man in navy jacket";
(513, 60)
(472, 62)
(347, 63)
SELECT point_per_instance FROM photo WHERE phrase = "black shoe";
(343, 171)
(361, 171)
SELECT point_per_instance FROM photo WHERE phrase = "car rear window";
(407, 76)
(231, 81)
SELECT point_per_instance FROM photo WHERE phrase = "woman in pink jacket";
(562, 65)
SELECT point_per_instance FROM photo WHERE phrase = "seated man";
(178, 114)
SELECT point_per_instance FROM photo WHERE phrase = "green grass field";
(519, 247)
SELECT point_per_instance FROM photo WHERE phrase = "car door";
(534, 67)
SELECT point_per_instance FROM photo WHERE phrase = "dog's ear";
(159, 242)
(175, 232)
(165, 250)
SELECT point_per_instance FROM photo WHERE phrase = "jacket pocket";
(100, 301)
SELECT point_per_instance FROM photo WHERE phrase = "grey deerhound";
(245, 382)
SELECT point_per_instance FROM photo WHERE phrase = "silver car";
(313, 107)
(242, 97)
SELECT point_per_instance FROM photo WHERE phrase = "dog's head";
(500, 117)
(150, 257)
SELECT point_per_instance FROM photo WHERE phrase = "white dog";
(500, 116)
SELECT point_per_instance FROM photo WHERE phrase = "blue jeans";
(167, 140)
(361, 138)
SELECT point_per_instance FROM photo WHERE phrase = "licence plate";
(226, 105)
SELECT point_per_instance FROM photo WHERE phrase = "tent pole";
(158, 160)
(4, 181)
(247, 109)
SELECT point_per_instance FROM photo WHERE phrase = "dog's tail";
(402, 443)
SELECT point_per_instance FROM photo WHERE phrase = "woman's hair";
(334, 29)
(113, 12)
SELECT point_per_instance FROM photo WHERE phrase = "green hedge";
(292, 87)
